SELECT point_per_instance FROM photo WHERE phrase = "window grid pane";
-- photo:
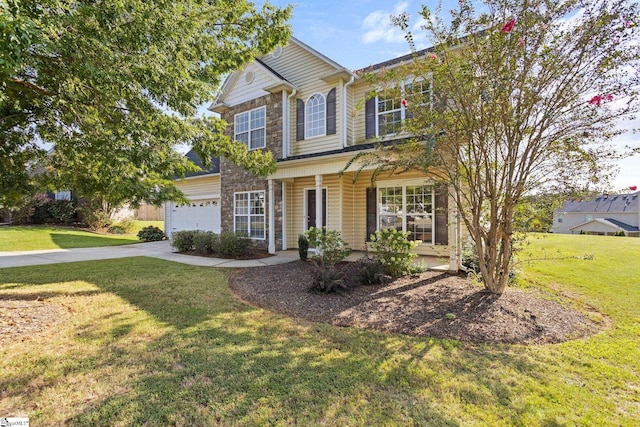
(315, 116)
(408, 208)
(250, 128)
(250, 214)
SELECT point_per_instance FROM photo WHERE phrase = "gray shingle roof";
(623, 225)
(214, 167)
(605, 203)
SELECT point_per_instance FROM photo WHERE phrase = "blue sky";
(357, 33)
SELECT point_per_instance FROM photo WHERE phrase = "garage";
(201, 214)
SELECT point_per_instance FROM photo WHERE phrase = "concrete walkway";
(161, 250)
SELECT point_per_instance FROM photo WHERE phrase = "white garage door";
(198, 215)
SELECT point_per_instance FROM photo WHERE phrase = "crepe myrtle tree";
(526, 94)
(110, 88)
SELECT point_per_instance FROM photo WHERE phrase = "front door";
(311, 208)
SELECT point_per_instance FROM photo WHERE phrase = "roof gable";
(609, 223)
(253, 81)
(289, 69)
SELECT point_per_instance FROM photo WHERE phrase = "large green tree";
(526, 95)
(113, 86)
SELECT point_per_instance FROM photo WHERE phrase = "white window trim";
(404, 184)
(403, 109)
(248, 112)
(306, 122)
(264, 215)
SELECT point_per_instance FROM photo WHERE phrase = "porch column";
(284, 216)
(319, 210)
(272, 219)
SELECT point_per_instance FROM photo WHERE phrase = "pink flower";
(627, 24)
(596, 100)
(508, 27)
(599, 99)
(433, 56)
(520, 43)
(404, 102)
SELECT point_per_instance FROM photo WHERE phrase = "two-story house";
(607, 214)
(314, 115)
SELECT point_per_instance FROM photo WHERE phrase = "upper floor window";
(249, 128)
(386, 112)
(317, 116)
(315, 119)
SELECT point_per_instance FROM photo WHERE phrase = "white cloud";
(378, 27)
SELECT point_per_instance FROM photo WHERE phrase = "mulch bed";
(434, 304)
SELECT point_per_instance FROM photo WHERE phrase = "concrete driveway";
(161, 250)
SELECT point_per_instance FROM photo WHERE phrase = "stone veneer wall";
(234, 178)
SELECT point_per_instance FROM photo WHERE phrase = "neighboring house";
(314, 116)
(608, 214)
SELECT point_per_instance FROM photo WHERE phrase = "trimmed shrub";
(62, 211)
(393, 249)
(182, 241)
(40, 207)
(150, 234)
(330, 250)
(232, 244)
(330, 247)
(116, 229)
(125, 224)
(23, 213)
(303, 247)
(92, 214)
(204, 242)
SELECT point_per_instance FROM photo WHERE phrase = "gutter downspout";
(286, 137)
(344, 110)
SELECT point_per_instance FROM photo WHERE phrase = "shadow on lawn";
(226, 363)
(69, 241)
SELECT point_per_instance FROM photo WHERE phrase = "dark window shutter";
(299, 120)
(372, 214)
(442, 212)
(331, 112)
(370, 118)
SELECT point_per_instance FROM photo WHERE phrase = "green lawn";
(139, 225)
(44, 237)
(149, 342)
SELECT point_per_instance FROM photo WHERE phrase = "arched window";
(315, 116)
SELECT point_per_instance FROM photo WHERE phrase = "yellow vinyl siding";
(348, 217)
(359, 214)
(351, 115)
(204, 186)
(243, 91)
(296, 205)
(304, 69)
(357, 116)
